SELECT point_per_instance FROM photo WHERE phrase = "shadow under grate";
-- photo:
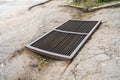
(64, 41)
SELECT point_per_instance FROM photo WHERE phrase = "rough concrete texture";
(15, 6)
(99, 59)
(15, 29)
(18, 27)
(23, 27)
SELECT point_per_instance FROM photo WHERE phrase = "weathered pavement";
(100, 57)
(19, 27)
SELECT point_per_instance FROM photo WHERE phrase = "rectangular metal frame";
(60, 56)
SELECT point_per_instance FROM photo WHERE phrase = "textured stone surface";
(22, 27)
(99, 59)
(19, 28)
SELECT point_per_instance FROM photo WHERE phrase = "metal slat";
(70, 32)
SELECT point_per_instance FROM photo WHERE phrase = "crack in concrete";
(38, 4)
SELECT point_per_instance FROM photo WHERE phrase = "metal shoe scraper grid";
(64, 41)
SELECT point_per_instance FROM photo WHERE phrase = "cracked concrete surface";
(18, 28)
(14, 25)
(99, 59)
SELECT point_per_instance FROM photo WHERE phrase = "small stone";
(82, 14)
(2, 65)
(34, 65)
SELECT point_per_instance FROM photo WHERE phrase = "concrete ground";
(18, 28)
(99, 59)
